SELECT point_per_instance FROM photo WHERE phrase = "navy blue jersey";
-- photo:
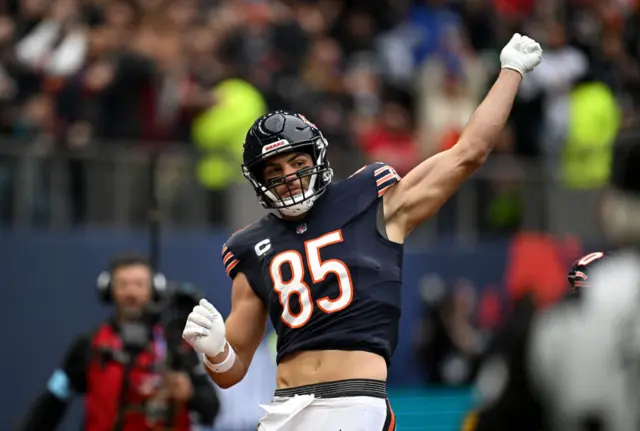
(331, 281)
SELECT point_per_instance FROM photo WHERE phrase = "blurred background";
(122, 124)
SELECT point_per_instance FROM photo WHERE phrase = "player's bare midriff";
(307, 368)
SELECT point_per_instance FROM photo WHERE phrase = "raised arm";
(421, 193)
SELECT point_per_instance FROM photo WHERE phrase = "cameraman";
(125, 368)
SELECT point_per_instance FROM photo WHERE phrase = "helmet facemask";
(320, 177)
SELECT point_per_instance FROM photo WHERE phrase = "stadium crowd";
(388, 80)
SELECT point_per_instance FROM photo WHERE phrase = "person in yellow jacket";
(219, 132)
(594, 122)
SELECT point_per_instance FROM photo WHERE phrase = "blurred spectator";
(595, 119)
(128, 370)
(218, 132)
(448, 343)
(563, 66)
(537, 262)
(390, 139)
(446, 112)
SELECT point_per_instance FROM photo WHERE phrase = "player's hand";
(521, 54)
(205, 329)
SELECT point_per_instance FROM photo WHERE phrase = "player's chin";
(291, 194)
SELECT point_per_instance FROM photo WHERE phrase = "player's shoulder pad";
(235, 249)
(382, 175)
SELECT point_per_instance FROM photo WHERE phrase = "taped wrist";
(223, 366)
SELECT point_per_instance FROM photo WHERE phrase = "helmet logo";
(303, 118)
(276, 145)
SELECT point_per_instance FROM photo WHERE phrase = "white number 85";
(319, 270)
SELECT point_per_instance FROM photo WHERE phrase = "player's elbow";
(233, 376)
(472, 153)
(226, 384)
(228, 379)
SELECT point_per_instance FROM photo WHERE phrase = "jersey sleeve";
(230, 260)
(235, 257)
(385, 177)
(506, 398)
(381, 175)
(238, 256)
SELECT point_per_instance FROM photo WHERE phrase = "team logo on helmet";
(304, 119)
(278, 145)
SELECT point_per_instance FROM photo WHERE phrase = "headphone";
(105, 279)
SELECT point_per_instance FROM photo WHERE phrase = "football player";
(507, 398)
(576, 366)
(325, 265)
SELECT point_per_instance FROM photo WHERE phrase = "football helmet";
(579, 273)
(281, 132)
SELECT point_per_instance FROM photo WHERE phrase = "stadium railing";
(112, 184)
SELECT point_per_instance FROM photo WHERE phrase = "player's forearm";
(230, 377)
(481, 133)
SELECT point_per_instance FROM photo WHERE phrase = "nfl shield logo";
(302, 228)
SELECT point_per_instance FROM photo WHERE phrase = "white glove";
(521, 54)
(205, 329)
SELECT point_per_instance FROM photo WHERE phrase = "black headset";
(104, 283)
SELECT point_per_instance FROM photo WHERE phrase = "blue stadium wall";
(49, 296)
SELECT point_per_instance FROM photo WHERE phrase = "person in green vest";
(594, 121)
(219, 131)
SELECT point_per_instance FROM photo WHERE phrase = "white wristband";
(223, 366)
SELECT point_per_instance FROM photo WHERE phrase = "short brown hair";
(128, 259)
